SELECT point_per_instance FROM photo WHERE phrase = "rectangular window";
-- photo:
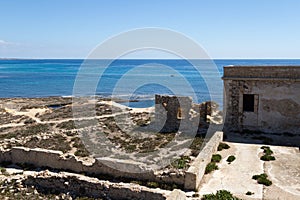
(248, 102)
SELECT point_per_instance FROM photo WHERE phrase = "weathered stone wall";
(194, 174)
(79, 185)
(277, 98)
(56, 160)
(173, 111)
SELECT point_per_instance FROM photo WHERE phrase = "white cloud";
(3, 43)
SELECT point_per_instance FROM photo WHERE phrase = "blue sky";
(226, 29)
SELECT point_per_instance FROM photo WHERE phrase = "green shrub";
(230, 159)
(223, 146)
(3, 171)
(220, 195)
(216, 158)
(267, 158)
(262, 179)
(267, 150)
(181, 163)
(267, 154)
(211, 167)
(265, 182)
(249, 193)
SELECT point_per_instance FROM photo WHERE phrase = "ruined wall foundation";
(189, 180)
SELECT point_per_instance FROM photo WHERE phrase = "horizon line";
(150, 59)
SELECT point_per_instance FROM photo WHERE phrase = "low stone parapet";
(194, 174)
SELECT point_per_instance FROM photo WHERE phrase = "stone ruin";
(174, 113)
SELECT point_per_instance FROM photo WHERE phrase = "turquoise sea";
(56, 77)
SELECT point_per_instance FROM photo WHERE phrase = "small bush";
(249, 193)
(267, 158)
(216, 158)
(267, 150)
(211, 167)
(220, 195)
(265, 182)
(223, 146)
(267, 154)
(3, 171)
(181, 163)
(262, 179)
(230, 159)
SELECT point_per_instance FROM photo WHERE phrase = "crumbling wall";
(207, 109)
(78, 185)
(173, 111)
(56, 160)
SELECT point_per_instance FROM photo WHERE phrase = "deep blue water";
(42, 78)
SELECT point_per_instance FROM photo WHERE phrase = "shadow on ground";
(255, 137)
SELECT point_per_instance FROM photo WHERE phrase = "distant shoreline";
(148, 59)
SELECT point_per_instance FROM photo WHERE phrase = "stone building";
(262, 98)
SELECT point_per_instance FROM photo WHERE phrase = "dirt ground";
(284, 172)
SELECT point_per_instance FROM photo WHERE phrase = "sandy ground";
(236, 177)
(285, 174)
(31, 113)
